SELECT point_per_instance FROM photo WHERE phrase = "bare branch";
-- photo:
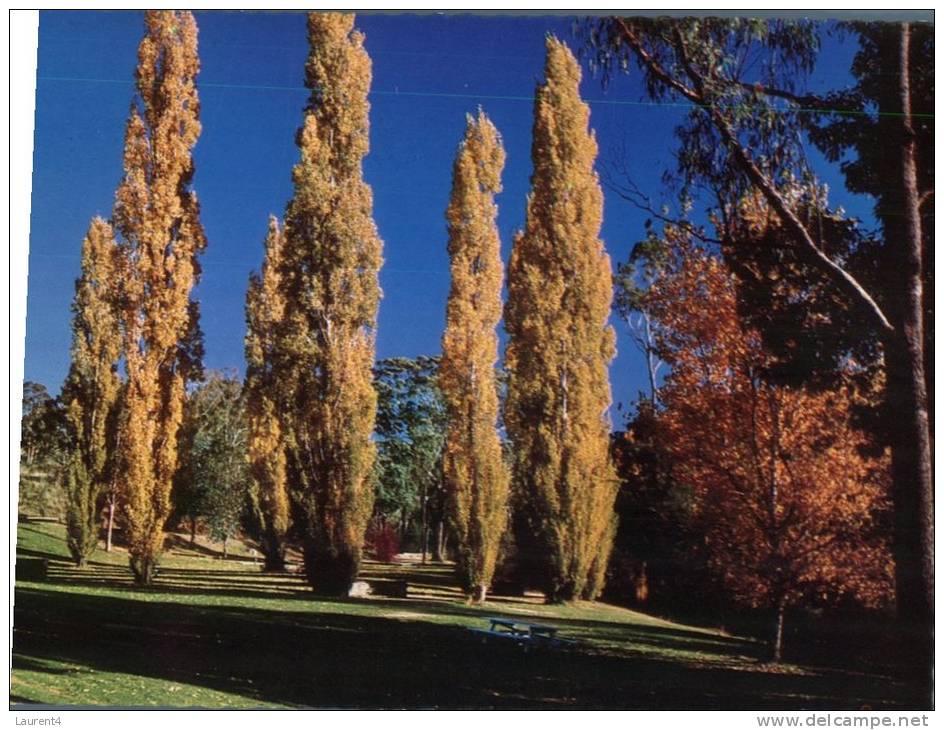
(630, 192)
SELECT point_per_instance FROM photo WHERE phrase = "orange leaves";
(157, 217)
(785, 490)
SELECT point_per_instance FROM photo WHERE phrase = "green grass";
(215, 633)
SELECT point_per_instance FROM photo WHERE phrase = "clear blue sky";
(429, 71)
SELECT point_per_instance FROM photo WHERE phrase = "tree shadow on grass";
(686, 646)
(219, 583)
(51, 557)
(326, 658)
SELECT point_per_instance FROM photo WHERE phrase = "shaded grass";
(223, 634)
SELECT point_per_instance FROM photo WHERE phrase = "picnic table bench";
(524, 634)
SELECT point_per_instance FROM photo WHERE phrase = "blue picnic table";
(522, 633)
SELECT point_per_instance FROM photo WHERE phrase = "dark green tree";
(654, 559)
(217, 486)
(45, 444)
(410, 431)
(42, 430)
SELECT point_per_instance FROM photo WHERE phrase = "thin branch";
(806, 102)
(654, 66)
(840, 276)
(631, 193)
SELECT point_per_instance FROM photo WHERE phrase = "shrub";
(383, 541)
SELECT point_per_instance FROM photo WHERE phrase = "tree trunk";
(642, 584)
(776, 653)
(479, 594)
(438, 542)
(274, 563)
(111, 521)
(907, 411)
(424, 526)
(225, 543)
(193, 531)
(444, 543)
(652, 360)
(273, 550)
(144, 570)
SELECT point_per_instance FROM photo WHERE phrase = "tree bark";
(642, 584)
(776, 654)
(424, 526)
(438, 542)
(273, 550)
(111, 521)
(193, 530)
(907, 410)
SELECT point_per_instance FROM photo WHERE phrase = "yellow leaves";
(330, 258)
(91, 388)
(475, 475)
(559, 295)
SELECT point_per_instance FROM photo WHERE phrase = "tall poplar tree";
(559, 347)
(90, 393)
(265, 307)
(157, 216)
(475, 474)
(332, 258)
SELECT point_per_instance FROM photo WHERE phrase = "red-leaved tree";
(786, 489)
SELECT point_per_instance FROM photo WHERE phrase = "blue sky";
(429, 71)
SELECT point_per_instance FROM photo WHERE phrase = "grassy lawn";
(215, 633)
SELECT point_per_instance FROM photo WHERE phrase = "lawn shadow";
(325, 657)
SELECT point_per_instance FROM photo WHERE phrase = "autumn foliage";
(560, 346)
(90, 393)
(265, 308)
(156, 215)
(332, 255)
(787, 491)
(475, 473)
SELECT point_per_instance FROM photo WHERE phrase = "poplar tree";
(90, 393)
(332, 258)
(157, 216)
(265, 307)
(559, 347)
(475, 474)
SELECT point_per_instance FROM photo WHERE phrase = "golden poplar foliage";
(332, 255)
(90, 393)
(265, 308)
(157, 216)
(559, 348)
(475, 475)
